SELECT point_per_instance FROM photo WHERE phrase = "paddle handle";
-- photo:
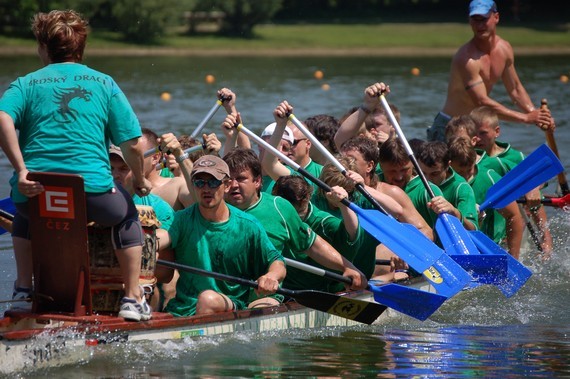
(552, 144)
(404, 141)
(219, 276)
(6, 220)
(208, 117)
(318, 271)
(559, 202)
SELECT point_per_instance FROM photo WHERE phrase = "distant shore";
(298, 52)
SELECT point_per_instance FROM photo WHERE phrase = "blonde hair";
(485, 114)
(461, 151)
(333, 177)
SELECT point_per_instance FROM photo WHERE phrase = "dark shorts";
(437, 130)
(114, 208)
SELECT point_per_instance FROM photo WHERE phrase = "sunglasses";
(212, 183)
(296, 141)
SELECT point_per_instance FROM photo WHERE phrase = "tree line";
(144, 21)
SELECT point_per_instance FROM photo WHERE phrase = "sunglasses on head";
(212, 183)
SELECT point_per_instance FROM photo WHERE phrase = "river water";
(477, 334)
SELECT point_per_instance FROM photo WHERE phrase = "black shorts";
(114, 208)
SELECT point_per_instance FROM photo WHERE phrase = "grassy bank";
(361, 39)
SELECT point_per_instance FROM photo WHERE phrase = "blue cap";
(482, 7)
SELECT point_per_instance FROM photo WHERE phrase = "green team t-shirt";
(66, 113)
(509, 157)
(418, 194)
(238, 247)
(267, 184)
(458, 192)
(363, 251)
(487, 162)
(494, 224)
(288, 233)
(163, 210)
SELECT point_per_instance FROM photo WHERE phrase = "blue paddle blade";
(540, 166)
(453, 236)
(410, 301)
(517, 273)
(7, 205)
(407, 242)
(485, 269)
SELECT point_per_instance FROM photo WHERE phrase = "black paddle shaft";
(353, 309)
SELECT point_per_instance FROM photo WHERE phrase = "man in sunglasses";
(298, 151)
(214, 236)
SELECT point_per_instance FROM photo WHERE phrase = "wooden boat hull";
(34, 341)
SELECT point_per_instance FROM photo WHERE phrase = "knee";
(210, 301)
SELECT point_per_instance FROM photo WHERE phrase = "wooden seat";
(58, 228)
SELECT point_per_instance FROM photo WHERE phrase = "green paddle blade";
(540, 166)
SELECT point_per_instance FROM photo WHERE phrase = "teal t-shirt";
(66, 113)
(163, 210)
(237, 247)
(460, 194)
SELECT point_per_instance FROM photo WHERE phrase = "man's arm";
(352, 124)
(514, 228)
(478, 89)
(323, 253)
(133, 151)
(272, 166)
(269, 283)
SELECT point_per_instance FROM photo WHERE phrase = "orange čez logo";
(57, 202)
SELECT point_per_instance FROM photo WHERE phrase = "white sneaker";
(22, 299)
(133, 311)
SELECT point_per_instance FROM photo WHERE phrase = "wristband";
(365, 110)
(182, 158)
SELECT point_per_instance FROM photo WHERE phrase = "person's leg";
(210, 301)
(116, 209)
(24, 265)
(22, 248)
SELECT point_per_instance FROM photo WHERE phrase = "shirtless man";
(477, 67)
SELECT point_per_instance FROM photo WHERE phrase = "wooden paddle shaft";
(552, 144)
(6, 224)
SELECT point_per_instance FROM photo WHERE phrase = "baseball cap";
(114, 149)
(287, 133)
(210, 164)
(482, 7)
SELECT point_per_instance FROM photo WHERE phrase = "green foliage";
(241, 15)
(144, 20)
(15, 16)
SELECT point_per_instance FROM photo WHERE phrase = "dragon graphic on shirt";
(63, 96)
